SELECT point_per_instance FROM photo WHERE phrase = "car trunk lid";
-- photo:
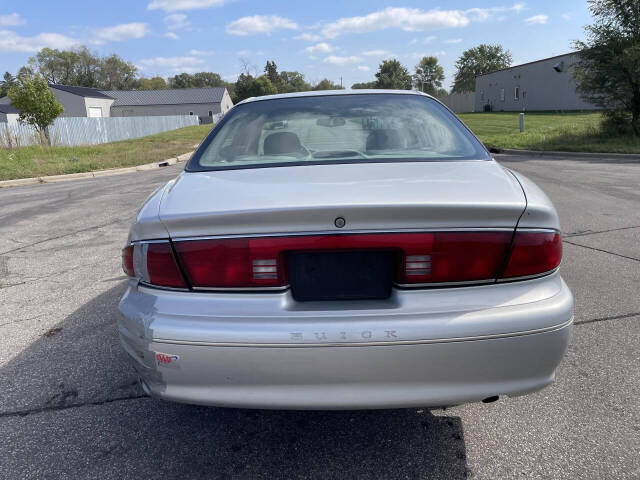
(443, 195)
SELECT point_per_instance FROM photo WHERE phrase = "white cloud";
(363, 68)
(243, 53)
(201, 53)
(429, 39)
(309, 37)
(11, 20)
(177, 5)
(518, 7)
(453, 40)
(187, 64)
(176, 21)
(120, 33)
(341, 60)
(321, 47)
(537, 20)
(172, 36)
(374, 53)
(260, 24)
(12, 42)
(566, 16)
(409, 19)
(413, 19)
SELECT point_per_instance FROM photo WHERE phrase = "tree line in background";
(84, 68)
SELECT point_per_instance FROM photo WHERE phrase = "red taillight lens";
(162, 267)
(454, 257)
(421, 257)
(127, 261)
(152, 263)
(232, 263)
(534, 253)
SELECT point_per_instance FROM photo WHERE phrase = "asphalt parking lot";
(70, 407)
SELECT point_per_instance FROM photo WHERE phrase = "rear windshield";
(336, 128)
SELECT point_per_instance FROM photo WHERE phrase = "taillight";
(420, 257)
(127, 261)
(152, 263)
(533, 253)
(232, 262)
(447, 257)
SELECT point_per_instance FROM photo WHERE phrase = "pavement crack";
(602, 250)
(53, 408)
(606, 319)
(82, 230)
(22, 320)
(588, 232)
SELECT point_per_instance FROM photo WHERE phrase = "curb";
(629, 157)
(20, 182)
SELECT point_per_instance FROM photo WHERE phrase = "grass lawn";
(569, 132)
(39, 161)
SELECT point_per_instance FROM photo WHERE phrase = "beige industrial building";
(546, 84)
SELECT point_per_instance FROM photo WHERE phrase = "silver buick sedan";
(344, 250)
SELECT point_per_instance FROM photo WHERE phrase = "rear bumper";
(498, 340)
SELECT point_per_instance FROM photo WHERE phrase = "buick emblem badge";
(339, 222)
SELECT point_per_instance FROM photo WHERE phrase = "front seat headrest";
(282, 143)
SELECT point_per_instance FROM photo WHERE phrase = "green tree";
(362, 85)
(183, 80)
(248, 86)
(38, 107)
(116, 74)
(326, 84)
(261, 86)
(291, 82)
(56, 66)
(208, 79)
(429, 75)
(87, 68)
(271, 71)
(477, 61)
(608, 73)
(197, 80)
(392, 74)
(7, 82)
(241, 88)
(154, 83)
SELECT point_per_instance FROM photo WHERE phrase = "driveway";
(70, 407)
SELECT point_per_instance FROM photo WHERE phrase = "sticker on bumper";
(166, 359)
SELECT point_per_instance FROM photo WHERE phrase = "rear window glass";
(319, 129)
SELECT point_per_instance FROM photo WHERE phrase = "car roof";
(324, 93)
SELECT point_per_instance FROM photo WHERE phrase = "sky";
(343, 40)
